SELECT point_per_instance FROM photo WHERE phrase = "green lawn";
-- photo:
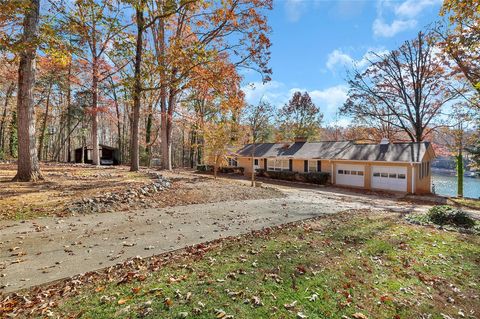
(374, 265)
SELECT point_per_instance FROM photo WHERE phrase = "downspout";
(413, 178)
(333, 173)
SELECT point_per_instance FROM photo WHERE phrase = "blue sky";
(315, 41)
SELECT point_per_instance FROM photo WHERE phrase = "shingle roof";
(393, 152)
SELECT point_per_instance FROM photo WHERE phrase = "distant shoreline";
(453, 173)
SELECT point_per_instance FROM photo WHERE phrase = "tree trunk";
(253, 164)
(3, 123)
(44, 124)
(119, 123)
(28, 168)
(69, 114)
(137, 93)
(148, 133)
(95, 144)
(460, 172)
(13, 136)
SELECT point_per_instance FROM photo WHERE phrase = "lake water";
(447, 185)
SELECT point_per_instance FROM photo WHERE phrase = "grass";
(346, 265)
(466, 202)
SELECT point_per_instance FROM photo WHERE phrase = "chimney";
(384, 141)
(300, 139)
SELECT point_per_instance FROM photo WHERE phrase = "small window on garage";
(392, 175)
(384, 174)
(360, 173)
(376, 174)
(353, 172)
(340, 171)
(347, 172)
(401, 176)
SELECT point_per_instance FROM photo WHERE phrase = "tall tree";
(95, 25)
(137, 88)
(28, 168)
(406, 88)
(258, 120)
(461, 39)
(198, 34)
(300, 117)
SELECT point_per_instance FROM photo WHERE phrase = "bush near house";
(320, 178)
(447, 215)
(231, 170)
(204, 168)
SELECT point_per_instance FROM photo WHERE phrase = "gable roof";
(345, 150)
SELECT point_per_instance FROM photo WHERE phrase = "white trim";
(413, 178)
(278, 164)
(315, 162)
(336, 160)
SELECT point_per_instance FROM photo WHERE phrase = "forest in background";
(162, 79)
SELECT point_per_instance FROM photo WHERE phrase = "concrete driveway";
(43, 250)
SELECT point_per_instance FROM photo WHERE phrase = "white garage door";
(390, 178)
(351, 175)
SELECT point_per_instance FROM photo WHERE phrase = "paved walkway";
(43, 250)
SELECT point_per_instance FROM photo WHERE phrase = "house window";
(312, 166)
(278, 165)
(232, 161)
(256, 162)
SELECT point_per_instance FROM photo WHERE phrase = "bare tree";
(28, 166)
(258, 119)
(406, 88)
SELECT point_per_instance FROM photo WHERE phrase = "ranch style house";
(399, 167)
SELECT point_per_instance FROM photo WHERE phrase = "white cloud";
(273, 92)
(277, 93)
(383, 29)
(340, 59)
(404, 16)
(330, 99)
(294, 9)
(412, 8)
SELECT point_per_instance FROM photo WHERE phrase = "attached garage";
(392, 178)
(350, 175)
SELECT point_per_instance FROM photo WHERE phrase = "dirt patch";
(67, 184)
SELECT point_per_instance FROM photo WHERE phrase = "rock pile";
(112, 201)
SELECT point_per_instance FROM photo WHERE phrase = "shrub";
(260, 172)
(447, 215)
(204, 168)
(320, 178)
(285, 175)
(231, 170)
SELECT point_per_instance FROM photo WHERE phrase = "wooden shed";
(108, 155)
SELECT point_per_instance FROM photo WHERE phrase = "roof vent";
(384, 141)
